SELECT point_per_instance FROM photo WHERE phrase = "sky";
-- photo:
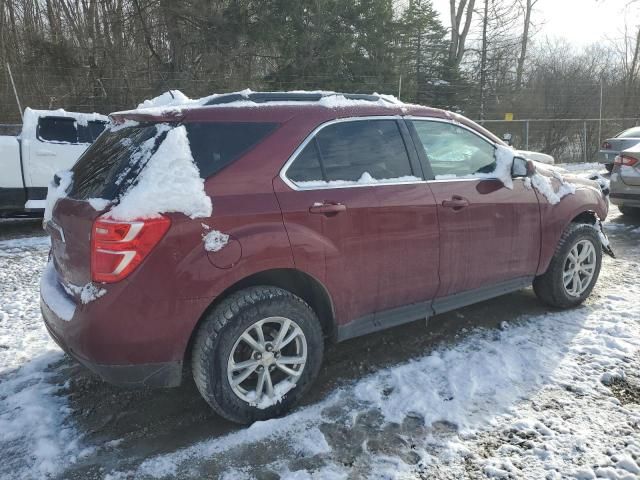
(582, 22)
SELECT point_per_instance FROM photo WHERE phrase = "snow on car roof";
(174, 101)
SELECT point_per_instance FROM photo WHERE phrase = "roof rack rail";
(266, 97)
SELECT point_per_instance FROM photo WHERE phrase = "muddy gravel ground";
(124, 428)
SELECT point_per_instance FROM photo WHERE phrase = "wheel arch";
(307, 287)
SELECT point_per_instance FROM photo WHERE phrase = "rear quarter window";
(215, 145)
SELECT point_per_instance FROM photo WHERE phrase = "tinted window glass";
(453, 150)
(114, 161)
(306, 168)
(350, 149)
(631, 133)
(103, 168)
(57, 129)
(89, 132)
(216, 145)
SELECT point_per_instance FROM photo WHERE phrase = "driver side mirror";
(522, 167)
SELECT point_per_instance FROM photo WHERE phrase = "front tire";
(573, 270)
(257, 353)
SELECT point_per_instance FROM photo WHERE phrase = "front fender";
(587, 199)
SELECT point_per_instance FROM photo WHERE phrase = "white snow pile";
(214, 240)
(169, 98)
(504, 161)
(365, 179)
(99, 204)
(169, 182)
(87, 293)
(31, 116)
(56, 192)
(543, 184)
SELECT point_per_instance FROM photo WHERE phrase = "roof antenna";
(172, 95)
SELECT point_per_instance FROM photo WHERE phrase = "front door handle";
(327, 208)
(456, 202)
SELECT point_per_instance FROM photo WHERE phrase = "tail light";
(117, 247)
(625, 160)
(606, 146)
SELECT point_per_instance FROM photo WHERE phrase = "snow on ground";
(35, 438)
(537, 398)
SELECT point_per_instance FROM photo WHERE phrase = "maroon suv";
(334, 216)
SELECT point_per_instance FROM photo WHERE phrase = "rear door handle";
(327, 208)
(456, 202)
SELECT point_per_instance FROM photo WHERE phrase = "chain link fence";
(567, 140)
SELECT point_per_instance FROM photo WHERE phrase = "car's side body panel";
(494, 239)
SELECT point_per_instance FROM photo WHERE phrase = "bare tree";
(461, 14)
(528, 7)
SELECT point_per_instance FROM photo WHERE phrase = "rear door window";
(362, 151)
(57, 129)
(454, 151)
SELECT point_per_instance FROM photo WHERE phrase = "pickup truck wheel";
(257, 353)
(573, 270)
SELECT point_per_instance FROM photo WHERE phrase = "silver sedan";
(625, 180)
(611, 147)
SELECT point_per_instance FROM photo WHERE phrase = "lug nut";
(257, 356)
(269, 347)
(260, 369)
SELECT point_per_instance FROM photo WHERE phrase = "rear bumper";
(162, 374)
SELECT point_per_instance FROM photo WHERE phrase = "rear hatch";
(105, 170)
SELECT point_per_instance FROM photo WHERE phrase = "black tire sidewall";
(291, 307)
(583, 232)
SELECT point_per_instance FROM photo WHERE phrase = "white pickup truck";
(50, 141)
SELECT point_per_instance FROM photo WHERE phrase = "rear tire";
(222, 348)
(568, 282)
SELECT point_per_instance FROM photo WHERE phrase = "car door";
(489, 234)
(56, 146)
(360, 219)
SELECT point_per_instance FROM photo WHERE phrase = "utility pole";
(15, 92)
